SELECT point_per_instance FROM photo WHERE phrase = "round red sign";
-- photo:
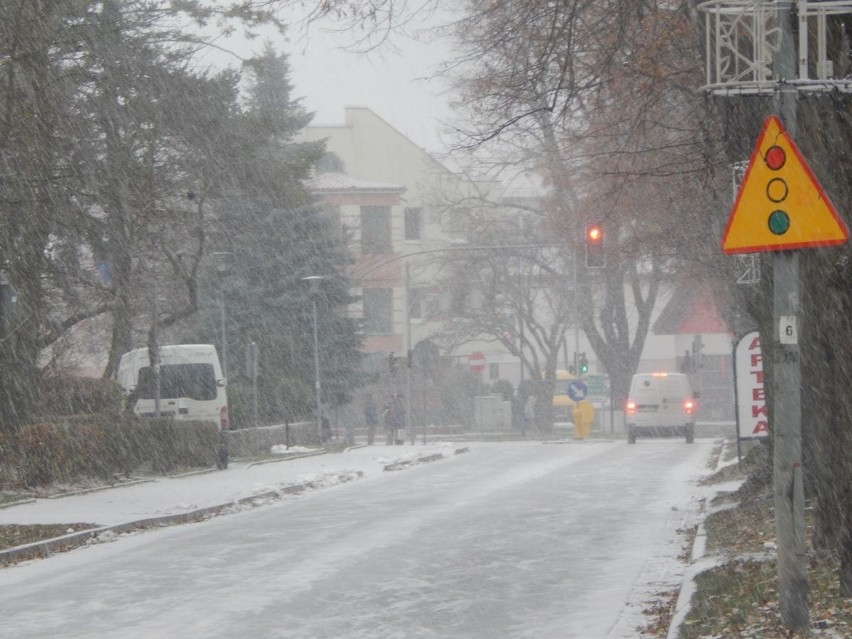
(477, 362)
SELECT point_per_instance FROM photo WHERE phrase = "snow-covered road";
(562, 541)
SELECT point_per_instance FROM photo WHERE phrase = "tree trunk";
(122, 313)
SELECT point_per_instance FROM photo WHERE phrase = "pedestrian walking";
(394, 414)
(371, 417)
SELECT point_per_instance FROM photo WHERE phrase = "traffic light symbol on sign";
(780, 204)
(594, 240)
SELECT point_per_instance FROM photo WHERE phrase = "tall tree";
(274, 235)
(597, 98)
(34, 193)
(109, 142)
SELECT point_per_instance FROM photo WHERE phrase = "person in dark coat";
(394, 419)
(371, 417)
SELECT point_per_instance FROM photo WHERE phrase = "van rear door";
(186, 390)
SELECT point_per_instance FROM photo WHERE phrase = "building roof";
(343, 183)
(691, 309)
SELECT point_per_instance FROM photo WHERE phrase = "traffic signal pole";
(786, 396)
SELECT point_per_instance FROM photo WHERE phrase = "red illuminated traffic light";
(594, 240)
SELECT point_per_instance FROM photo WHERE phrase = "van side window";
(192, 381)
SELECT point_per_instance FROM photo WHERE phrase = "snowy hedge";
(70, 449)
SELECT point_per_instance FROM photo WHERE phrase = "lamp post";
(223, 266)
(314, 282)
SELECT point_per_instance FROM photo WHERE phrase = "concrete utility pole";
(756, 225)
(409, 356)
(314, 283)
(786, 396)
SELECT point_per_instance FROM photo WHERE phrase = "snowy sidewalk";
(166, 500)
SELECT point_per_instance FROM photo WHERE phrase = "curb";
(286, 458)
(48, 547)
(99, 489)
(698, 563)
(18, 502)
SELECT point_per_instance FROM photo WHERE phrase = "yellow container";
(584, 415)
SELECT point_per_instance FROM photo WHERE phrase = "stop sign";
(477, 362)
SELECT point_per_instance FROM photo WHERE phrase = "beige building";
(395, 206)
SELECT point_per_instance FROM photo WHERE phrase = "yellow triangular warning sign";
(780, 204)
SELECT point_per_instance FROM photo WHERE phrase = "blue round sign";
(577, 390)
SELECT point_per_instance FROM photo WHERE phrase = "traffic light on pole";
(594, 240)
(583, 364)
(391, 363)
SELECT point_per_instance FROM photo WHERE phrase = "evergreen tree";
(273, 235)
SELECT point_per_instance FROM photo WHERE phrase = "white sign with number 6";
(788, 334)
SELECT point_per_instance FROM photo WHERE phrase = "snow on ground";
(677, 506)
(182, 494)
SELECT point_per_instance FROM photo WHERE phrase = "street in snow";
(562, 540)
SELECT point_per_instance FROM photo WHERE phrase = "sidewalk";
(195, 496)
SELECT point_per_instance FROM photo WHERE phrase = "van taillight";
(223, 418)
(630, 407)
(688, 406)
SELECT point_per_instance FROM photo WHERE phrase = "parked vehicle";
(660, 404)
(191, 385)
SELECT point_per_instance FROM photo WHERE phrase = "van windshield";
(192, 381)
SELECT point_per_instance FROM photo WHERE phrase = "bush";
(103, 446)
(68, 395)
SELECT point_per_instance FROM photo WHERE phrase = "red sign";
(752, 415)
(477, 362)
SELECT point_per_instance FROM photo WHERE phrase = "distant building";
(398, 208)
(395, 207)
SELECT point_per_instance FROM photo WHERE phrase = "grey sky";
(393, 80)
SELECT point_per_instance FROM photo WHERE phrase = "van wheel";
(690, 433)
(631, 434)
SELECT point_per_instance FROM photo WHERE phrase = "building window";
(413, 221)
(378, 311)
(376, 230)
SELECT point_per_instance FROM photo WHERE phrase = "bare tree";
(597, 97)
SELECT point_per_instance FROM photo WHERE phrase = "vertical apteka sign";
(752, 415)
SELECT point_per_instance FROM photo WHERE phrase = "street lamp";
(314, 281)
(223, 266)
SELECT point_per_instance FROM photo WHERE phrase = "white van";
(660, 404)
(192, 386)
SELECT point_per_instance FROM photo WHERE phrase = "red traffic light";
(594, 233)
(595, 256)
